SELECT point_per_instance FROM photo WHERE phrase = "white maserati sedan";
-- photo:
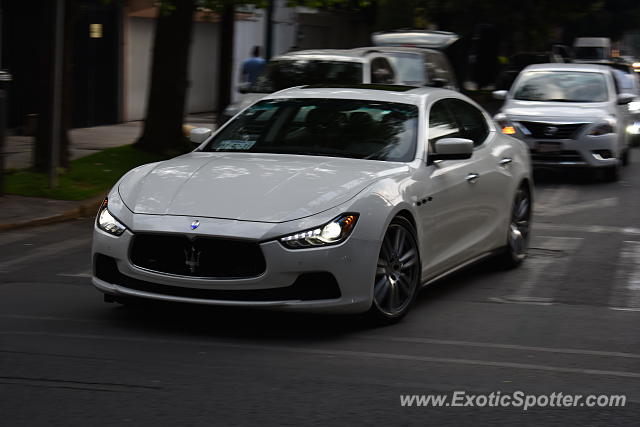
(329, 199)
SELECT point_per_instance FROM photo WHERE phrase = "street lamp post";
(56, 105)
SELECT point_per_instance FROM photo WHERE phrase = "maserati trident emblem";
(192, 258)
(195, 224)
(550, 130)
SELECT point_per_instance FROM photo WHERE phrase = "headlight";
(107, 222)
(601, 129)
(507, 126)
(331, 233)
(634, 106)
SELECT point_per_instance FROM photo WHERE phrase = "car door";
(489, 201)
(447, 218)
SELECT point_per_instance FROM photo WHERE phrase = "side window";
(441, 124)
(438, 70)
(381, 71)
(473, 124)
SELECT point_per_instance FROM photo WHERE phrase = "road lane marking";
(582, 352)
(342, 353)
(626, 292)
(44, 251)
(530, 272)
(630, 231)
(9, 237)
(577, 207)
(84, 274)
(553, 198)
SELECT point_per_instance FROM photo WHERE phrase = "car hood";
(567, 112)
(249, 187)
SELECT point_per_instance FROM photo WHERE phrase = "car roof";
(384, 93)
(568, 67)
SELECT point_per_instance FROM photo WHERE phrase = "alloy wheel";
(397, 272)
(519, 227)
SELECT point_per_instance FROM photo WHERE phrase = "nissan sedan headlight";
(602, 129)
(107, 222)
(335, 231)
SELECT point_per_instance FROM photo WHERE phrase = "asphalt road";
(567, 321)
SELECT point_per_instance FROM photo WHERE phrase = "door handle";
(472, 178)
(505, 161)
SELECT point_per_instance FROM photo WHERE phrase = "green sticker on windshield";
(235, 144)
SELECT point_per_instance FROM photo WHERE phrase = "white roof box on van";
(419, 38)
(592, 42)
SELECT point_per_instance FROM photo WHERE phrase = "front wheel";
(398, 273)
(612, 173)
(517, 246)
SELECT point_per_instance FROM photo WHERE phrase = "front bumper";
(584, 151)
(282, 284)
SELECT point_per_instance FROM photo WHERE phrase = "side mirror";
(451, 149)
(199, 135)
(625, 98)
(500, 94)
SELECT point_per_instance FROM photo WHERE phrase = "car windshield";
(282, 74)
(323, 127)
(561, 86)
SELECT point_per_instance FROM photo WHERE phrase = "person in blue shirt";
(252, 67)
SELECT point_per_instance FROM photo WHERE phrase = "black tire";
(625, 157)
(398, 271)
(612, 173)
(519, 231)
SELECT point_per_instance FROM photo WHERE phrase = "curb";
(85, 208)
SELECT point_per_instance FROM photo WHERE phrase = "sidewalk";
(85, 141)
(18, 211)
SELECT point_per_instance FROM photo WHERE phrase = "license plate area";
(548, 147)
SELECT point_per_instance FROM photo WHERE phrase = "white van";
(592, 49)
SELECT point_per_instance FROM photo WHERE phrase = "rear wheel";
(397, 273)
(517, 246)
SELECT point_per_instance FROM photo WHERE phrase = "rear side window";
(410, 68)
(437, 67)
(471, 121)
(442, 124)
(382, 71)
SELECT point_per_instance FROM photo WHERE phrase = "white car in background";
(320, 199)
(318, 66)
(570, 115)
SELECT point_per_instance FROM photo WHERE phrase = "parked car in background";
(441, 48)
(322, 66)
(419, 66)
(318, 198)
(570, 115)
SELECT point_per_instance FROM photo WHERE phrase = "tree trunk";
(43, 142)
(225, 67)
(169, 80)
